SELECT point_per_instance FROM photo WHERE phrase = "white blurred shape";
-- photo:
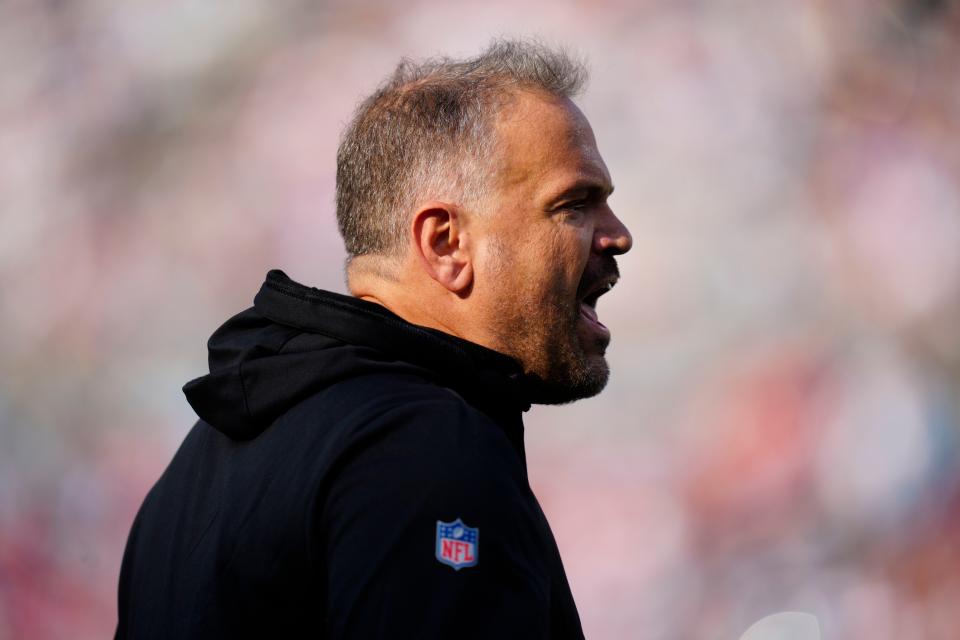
(787, 625)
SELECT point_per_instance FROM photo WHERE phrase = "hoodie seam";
(243, 389)
(243, 384)
(283, 345)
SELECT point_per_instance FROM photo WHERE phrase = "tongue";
(589, 312)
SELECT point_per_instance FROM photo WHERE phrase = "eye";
(575, 208)
(574, 213)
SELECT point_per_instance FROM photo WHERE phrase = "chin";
(584, 379)
(565, 370)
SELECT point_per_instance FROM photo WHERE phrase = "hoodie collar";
(359, 321)
(297, 340)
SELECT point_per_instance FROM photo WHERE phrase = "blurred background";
(782, 427)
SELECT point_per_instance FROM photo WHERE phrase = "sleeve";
(426, 532)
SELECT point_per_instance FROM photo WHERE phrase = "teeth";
(591, 299)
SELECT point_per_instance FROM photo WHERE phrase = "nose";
(611, 236)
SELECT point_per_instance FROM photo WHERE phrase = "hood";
(297, 340)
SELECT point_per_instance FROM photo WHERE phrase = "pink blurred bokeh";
(782, 429)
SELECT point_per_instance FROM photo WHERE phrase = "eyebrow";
(593, 189)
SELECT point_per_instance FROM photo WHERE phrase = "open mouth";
(588, 303)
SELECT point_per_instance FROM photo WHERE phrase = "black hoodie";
(352, 475)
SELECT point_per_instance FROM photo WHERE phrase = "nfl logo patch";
(457, 544)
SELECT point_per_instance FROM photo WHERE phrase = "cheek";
(541, 264)
(560, 273)
(569, 258)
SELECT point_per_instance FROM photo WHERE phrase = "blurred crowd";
(782, 427)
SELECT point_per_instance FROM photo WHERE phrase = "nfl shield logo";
(457, 544)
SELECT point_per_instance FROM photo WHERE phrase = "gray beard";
(575, 378)
(556, 368)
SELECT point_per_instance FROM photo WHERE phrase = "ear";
(440, 244)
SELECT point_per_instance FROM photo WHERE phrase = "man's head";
(472, 198)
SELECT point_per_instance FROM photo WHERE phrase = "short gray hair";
(426, 132)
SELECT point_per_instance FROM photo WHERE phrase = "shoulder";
(399, 407)
(410, 438)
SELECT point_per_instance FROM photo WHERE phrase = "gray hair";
(427, 132)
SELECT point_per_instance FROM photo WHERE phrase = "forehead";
(546, 142)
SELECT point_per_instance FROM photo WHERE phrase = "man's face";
(548, 245)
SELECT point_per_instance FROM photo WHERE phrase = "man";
(358, 468)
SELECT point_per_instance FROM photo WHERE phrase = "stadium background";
(781, 428)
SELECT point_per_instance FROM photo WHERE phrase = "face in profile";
(549, 244)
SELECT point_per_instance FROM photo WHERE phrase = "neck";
(417, 304)
(422, 302)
